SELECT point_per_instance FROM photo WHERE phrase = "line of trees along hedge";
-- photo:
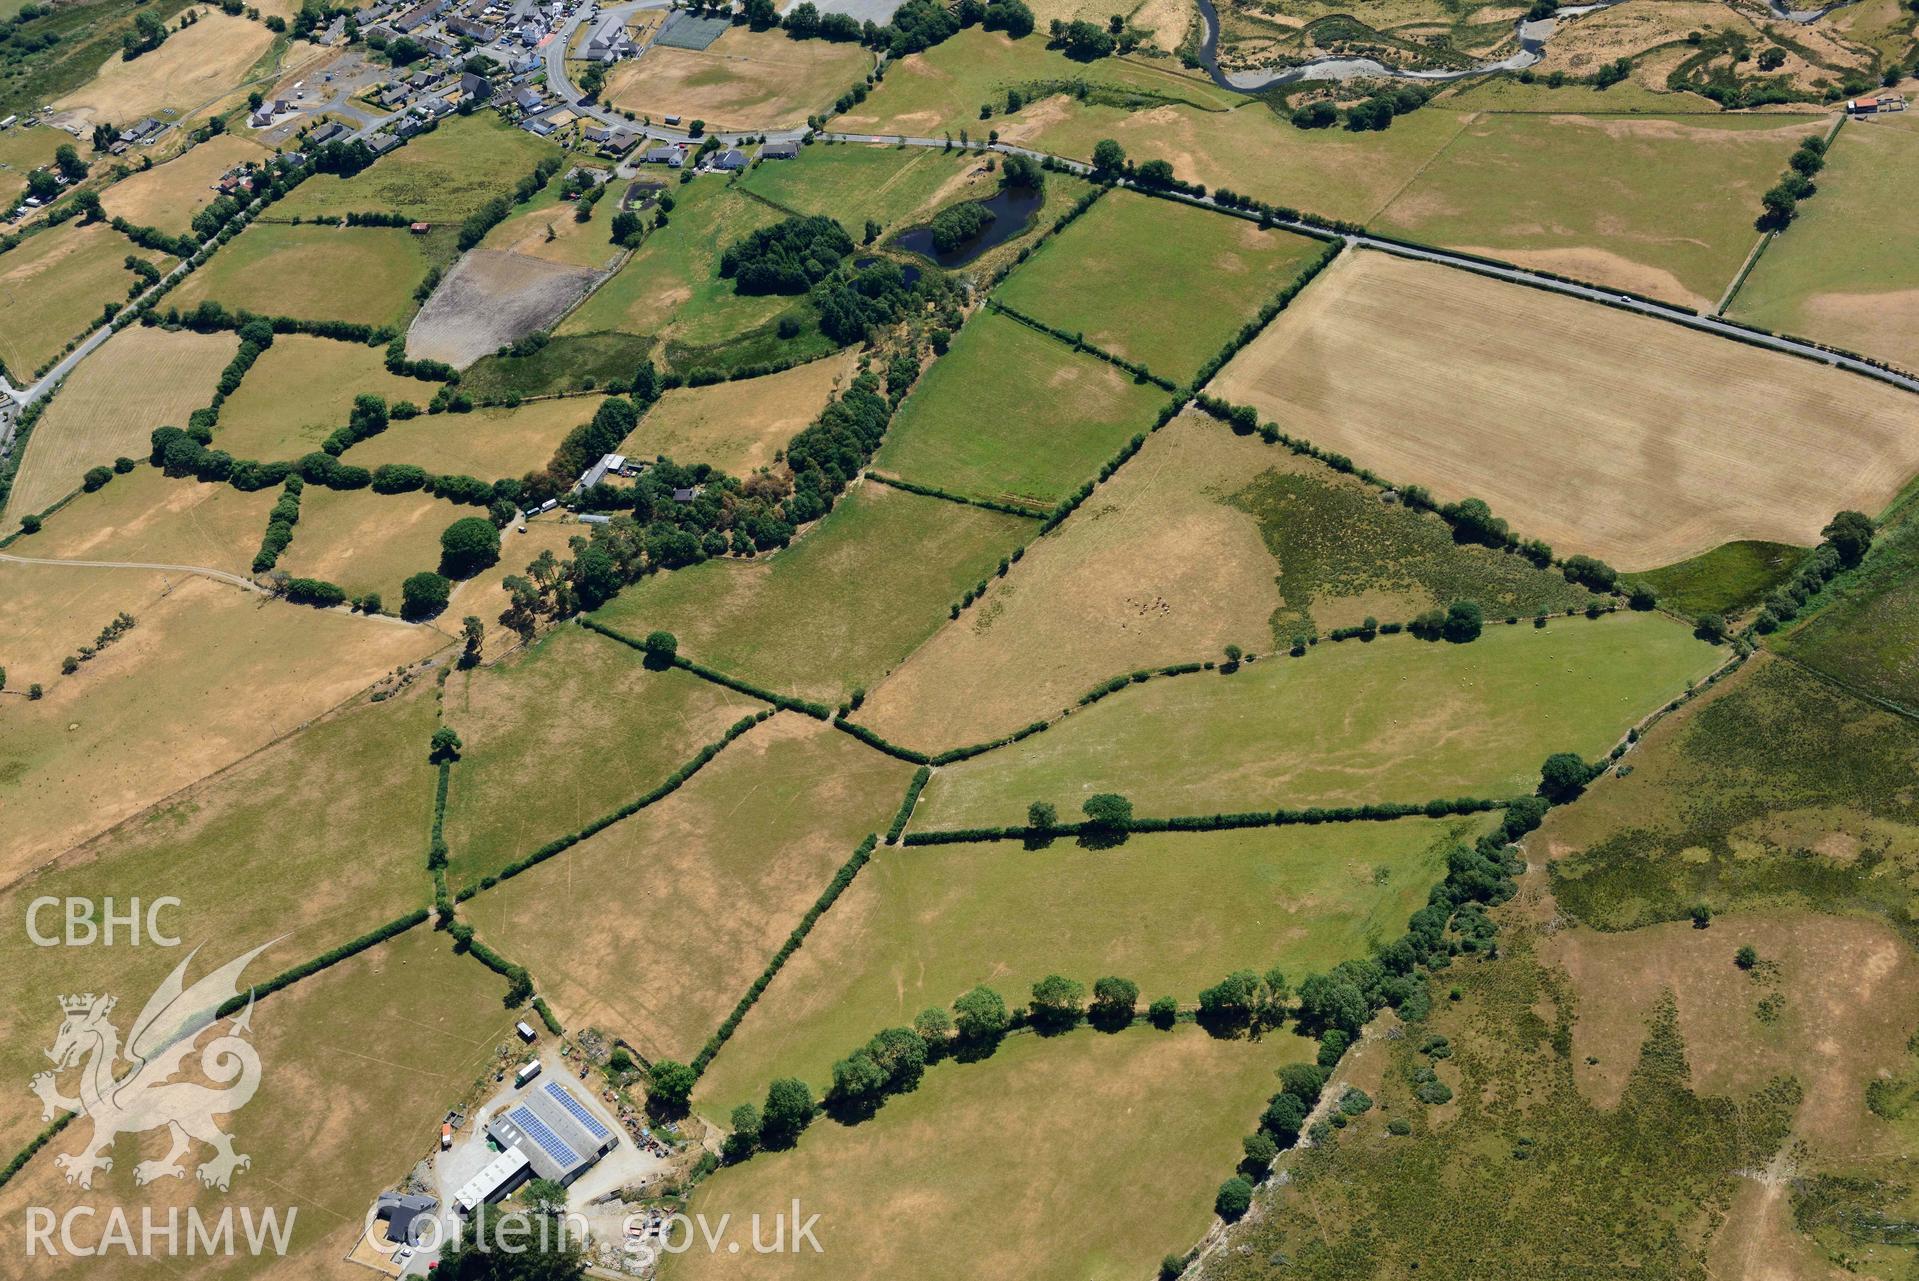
(1267, 313)
(519, 982)
(494, 211)
(546, 1016)
(836, 887)
(929, 491)
(951, 755)
(22, 432)
(436, 851)
(1373, 812)
(913, 790)
(880, 744)
(280, 522)
(1118, 460)
(1843, 545)
(914, 26)
(38, 1141)
(325, 960)
(672, 784)
(815, 710)
(1077, 342)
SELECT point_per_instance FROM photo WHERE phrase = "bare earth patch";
(492, 299)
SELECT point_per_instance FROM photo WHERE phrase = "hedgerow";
(913, 790)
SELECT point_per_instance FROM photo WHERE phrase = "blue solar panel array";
(535, 1129)
(564, 1097)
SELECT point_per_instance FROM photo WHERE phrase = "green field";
(1775, 791)
(1009, 1168)
(1172, 912)
(671, 290)
(1395, 720)
(300, 391)
(1663, 207)
(358, 781)
(56, 284)
(653, 928)
(1340, 551)
(1863, 636)
(561, 735)
(941, 90)
(892, 186)
(1217, 272)
(20, 151)
(839, 608)
(575, 362)
(364, 275)
(1730, 579)
(440, 176)
(1015, 415)
(1844, 271)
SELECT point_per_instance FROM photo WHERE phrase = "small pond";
(1012, 209)
(907, 269)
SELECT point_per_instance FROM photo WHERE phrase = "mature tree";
(935, 1027)
(1058, 1003)
(1464, 622)
(1108, 156)
(661, 649)
(1233, 1199)
(473, 631)
(487, 1250)
(1283, 1117)
(1642, 597)
(469, 545)
(1746, 957)
(1711, 628)
(1163, 1012)
(980, 1017)
(1563, 777)
(858, 1084)
(1109, 811)
(1260, 1151)
(445, 746)
(1156, 173)
(1850, 533)
(1230, 1002)
(1114, 1000)
(424, 595)
(744, 1140)
(1329, 1001)
(1041, 816)
(788, 1111)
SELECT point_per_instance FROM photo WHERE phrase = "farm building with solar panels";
(559, 1136)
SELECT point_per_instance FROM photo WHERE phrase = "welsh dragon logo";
(130, 1089)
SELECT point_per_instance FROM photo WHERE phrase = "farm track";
(219, 575)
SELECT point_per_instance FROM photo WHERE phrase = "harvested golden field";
(548, 230)
(139, 379)
(489, 443)
(744, 80)
(738, 427)
(193, 68)
(56, 285)
(155, 710)
(167, 196)
(1152, 569)
(146, 518)
(368, 542)
(1615, 435)
(690, 898)
(300, 390)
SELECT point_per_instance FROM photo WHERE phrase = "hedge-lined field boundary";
(931, 491)
(836, 887)
(326, 960)
(673, 783)
(1373, 812)
(818, 711)
(913, 790)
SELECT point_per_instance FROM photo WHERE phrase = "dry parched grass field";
(55, 285)
(488, 443)
(744, 80)
(300, 390)
(368, 542)
(190, 70)
(147, 518)
(1600, 432)
(677, 909)
(1007, 1168)
(168, 195)
(139, 379)
(739, 426)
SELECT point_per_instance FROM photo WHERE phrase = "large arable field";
(300, 391)
(1218, 272)
(840, 607)
(141, 378)
(365, 760)
(744, 80)
(56, 284)
(168, 195)
(1396, 719)
(1170, 911)
(1204, 539)
(439, 176)
(1663, 207)
(1620, 436)
(1844, 272)
(563, 734)
(736, 855)
(323, 1063)
(363, 275)
(1006, 1168)
(1015, 415)
(139, 720)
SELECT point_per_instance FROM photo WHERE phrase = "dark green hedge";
(930, 491)
(913, 790)
(815, 710)
(325, 960)
(1376, 812)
